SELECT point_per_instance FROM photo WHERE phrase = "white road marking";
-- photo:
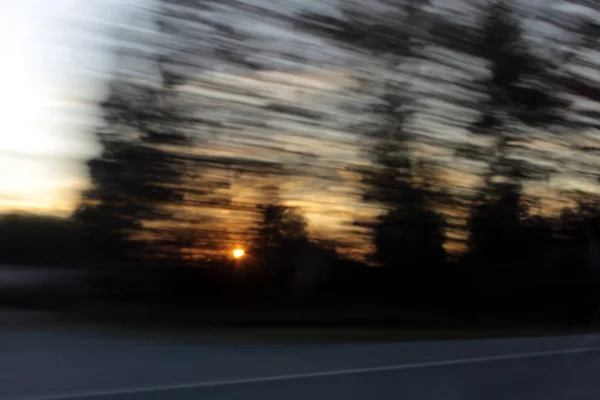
(351, 371)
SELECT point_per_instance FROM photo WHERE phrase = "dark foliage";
(523, 83)
(27, 239)
(160, 174)
(133, 178)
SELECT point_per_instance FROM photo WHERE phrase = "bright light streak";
(237, 253)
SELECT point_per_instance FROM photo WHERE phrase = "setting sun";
(237, 253)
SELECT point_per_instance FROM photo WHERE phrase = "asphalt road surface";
(36, 365)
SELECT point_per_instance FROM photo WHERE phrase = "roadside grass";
(307, 327)
(285, 326)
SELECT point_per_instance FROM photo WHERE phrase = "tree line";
(436, 94)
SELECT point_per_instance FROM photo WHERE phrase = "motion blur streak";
(424, 165)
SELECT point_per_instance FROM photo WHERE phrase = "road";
(53, 364)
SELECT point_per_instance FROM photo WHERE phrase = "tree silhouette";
(134, 177)
(523, 92)
(280, 229)
(409, 233)
(522, 82)
(497, 223)
(139, 170)
(37, 240)
(522, 89)
(195, 109)
(278, 238)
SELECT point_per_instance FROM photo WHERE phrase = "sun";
(237, 253)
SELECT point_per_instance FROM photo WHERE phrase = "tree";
(134, 177)
(140, 170)
(522, 88)
(409, 234)
(280, 227)
(279, 237)
(523, 92)
(497, 224)
(27, 239)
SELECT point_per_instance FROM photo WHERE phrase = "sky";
(56, 56)
(53, 61)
